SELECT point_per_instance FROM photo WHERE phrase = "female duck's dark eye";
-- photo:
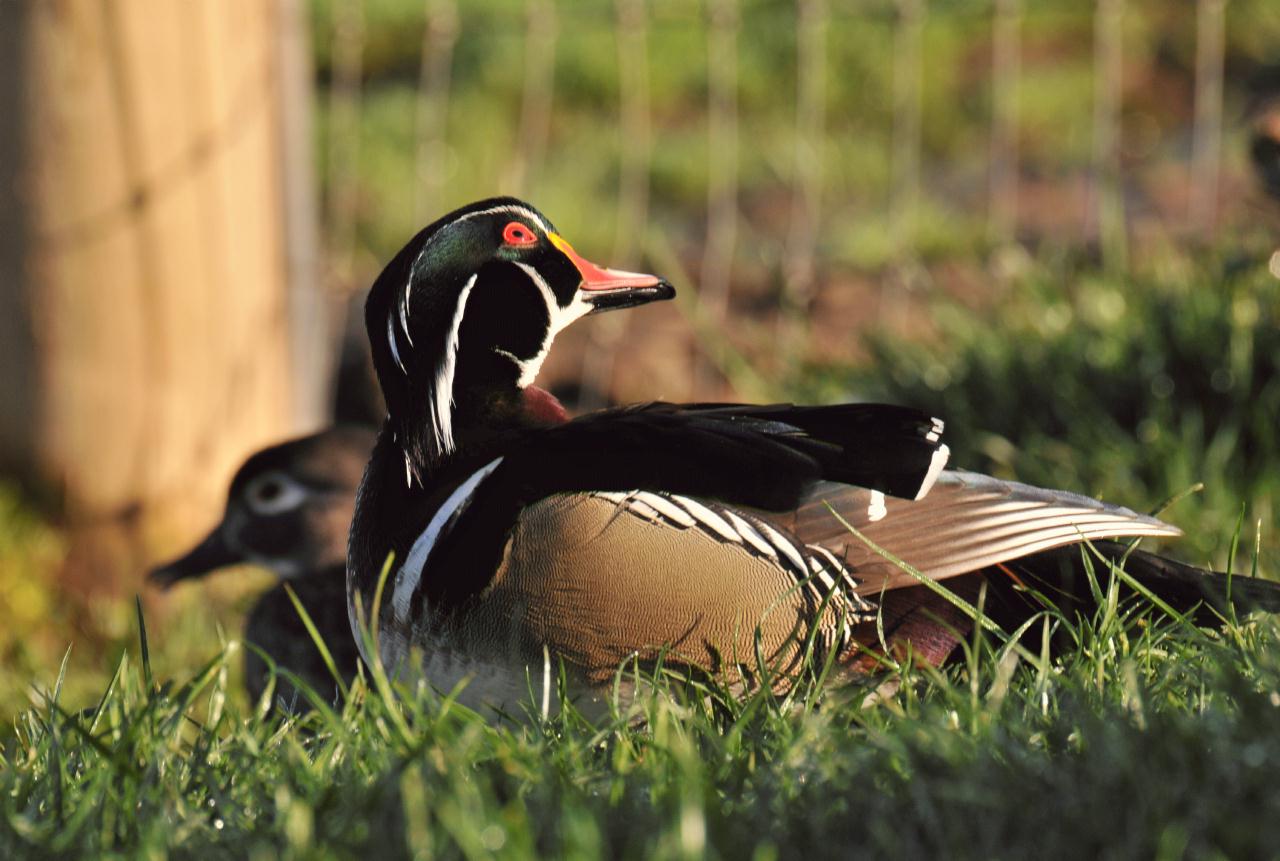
(516, 233)
(268, 491)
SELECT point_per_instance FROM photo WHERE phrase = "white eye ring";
(274, 493)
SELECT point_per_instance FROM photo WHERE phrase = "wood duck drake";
(680, 533)
(289, 510)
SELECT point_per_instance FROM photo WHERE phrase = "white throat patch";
(559, 319)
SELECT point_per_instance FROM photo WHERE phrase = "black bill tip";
(628, 297)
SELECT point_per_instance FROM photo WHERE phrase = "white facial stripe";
(410, 573)
(441, 394)
(403, 309)
(558, 319)
(548, 297)
(508, 207)
(391, 342)
(528, 367)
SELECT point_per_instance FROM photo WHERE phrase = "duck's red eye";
(516, 233)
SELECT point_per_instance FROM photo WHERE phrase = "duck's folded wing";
(763, 457)
(894, 449)
(968, 521)
(766, 456)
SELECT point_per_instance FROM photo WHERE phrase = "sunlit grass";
(1144, 736)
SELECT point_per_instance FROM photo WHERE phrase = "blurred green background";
(952, 204)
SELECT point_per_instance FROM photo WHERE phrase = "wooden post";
(151, 345)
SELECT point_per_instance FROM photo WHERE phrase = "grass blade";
(325, 654)
(142, 641)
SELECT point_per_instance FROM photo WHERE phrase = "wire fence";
(692, 108)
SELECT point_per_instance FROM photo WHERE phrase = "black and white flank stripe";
(827, 583)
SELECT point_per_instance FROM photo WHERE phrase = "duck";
(497, 542)
(288, 509)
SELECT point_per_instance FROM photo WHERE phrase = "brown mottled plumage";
(289, 510)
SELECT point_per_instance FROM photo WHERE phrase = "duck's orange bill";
(597, 278)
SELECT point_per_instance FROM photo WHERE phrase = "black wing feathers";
(765, 457)
(877, 446)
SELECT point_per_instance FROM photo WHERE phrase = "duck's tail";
(1063, 576)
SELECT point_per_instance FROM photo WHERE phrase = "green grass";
(43, 617)
(1144, 737)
